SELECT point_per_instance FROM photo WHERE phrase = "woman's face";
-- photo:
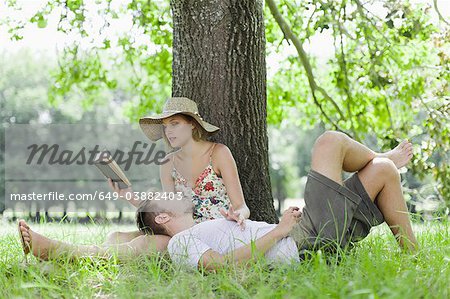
(177, 130)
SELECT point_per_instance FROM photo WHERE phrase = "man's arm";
(212, 260)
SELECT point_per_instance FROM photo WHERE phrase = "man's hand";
(289, 219)
(232, 215)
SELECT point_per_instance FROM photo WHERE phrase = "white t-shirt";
(224, 236)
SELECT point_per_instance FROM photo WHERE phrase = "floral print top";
(209, 194)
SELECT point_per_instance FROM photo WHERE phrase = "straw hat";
(152, 125)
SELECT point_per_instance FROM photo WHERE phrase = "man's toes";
(407, 149)
(403, 143)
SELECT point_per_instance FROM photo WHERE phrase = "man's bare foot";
(400, 155)
(32, 241)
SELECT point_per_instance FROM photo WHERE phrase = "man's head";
(164, 217)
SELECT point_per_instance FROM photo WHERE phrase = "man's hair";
(145, 218)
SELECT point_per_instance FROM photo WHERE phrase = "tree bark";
(219, 62)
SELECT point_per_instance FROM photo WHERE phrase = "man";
(215, 242)
(335, 212)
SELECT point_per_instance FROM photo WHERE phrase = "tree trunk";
(219, 62)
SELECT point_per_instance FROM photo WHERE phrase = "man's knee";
(385, 168)
(329, 140)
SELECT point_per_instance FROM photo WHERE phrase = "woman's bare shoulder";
(220, 147)
(167, 160)
(221, 151)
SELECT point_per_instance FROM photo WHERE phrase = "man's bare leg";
(335, 152)
(381, 180)
(45, 248)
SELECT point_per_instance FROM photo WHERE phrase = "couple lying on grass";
(210, 227)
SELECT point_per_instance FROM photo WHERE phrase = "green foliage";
(287, 94)
(388, 77)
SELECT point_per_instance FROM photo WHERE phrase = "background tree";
(219, 62)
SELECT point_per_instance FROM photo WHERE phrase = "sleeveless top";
(209, 194)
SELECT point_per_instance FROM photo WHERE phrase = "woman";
(202, 170)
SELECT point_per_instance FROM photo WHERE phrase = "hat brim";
(153, 129)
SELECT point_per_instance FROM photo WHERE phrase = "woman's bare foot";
(32, 241)
(400, 155)
(25, 240)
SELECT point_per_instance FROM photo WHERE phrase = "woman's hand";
(233, 215)
(115, 187)
(123, 193)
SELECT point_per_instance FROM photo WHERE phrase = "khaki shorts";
(334, 214)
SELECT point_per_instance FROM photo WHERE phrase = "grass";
(373, 269)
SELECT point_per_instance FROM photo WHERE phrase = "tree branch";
(289, 35)
(361, 8)
(345, 72)
(439, 13)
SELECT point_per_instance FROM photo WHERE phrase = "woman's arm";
(165, 175)
(226, 167)
(125, 194)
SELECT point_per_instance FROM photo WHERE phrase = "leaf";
(42, 23)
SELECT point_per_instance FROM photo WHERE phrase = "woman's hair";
(145, 218)
(198, 133)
